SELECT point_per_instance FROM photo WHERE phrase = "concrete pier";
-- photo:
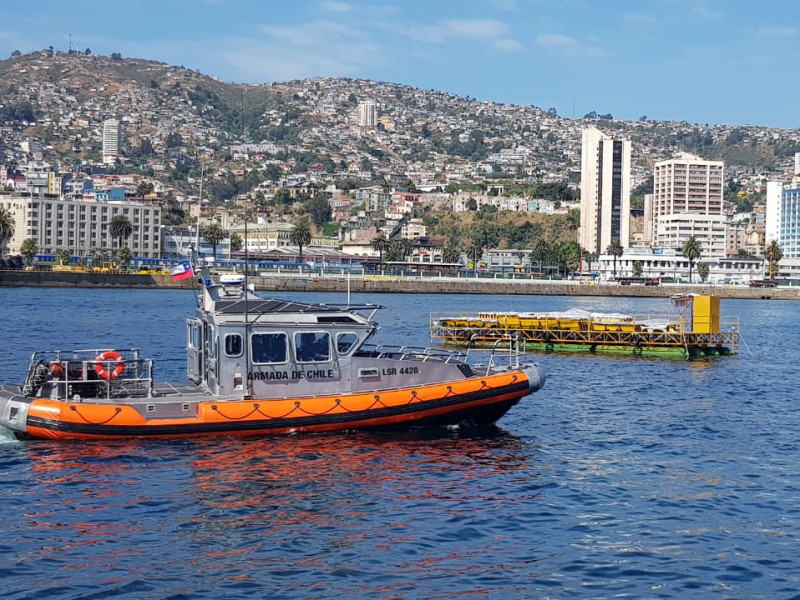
(378, 284)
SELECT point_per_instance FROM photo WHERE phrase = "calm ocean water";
(623, 477)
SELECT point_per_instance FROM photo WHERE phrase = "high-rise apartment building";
(111, 141)
(367, 114)
(688, 184)
(687, 202)
(782, 221)
(605, 191)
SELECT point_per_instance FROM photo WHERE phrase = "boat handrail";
(415, 353)
(89, 373)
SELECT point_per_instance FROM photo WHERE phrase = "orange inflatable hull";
(482, 399)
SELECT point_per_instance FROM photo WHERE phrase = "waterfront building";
(670, 264)
(111, 141)
(178, 241)
(81, 227)
(782, 219)
(605, 191)
(673, 231)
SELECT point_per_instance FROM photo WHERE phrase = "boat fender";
(103, 360)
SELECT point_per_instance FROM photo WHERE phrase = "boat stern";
(13, 409)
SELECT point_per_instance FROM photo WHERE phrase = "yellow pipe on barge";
(694, 330)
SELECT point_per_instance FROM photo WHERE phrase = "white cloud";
(567, 46)
(508, 45)
(775, 32)
(473, 28)
(706, 13)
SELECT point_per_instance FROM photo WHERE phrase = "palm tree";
(380, 244)
(300, 235)
(120, 228)
(702, 270)
(615, 249)
(541, 250)
(6, 227)
(691, 251)
(475, 253)
(450, 254)
(403, 248)
(775, 255)
(29, 250)
(214, 234)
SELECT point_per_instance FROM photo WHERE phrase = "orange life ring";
(103, 359)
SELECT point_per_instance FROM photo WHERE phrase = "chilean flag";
(182, 271)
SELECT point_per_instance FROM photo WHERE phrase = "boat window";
(268, 347)
(233, 345)
(312, 346)
(345, 342)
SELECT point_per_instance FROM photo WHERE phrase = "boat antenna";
(248, 385)
(199, 208)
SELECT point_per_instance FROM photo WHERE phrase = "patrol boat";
(260, 366)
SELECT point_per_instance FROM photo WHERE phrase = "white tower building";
(111, 141)
(605, 191)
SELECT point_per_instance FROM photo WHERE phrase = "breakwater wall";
(286, 282)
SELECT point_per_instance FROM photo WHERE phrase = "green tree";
(120, 229)
(282, 196)
(637, 268)
(450, 254)
(63, 257)
(300, 235)
(472, 204)
(319, 208)
(475, 253)
(774, 253)
(7, 226)
(380, 245)
(237, 243)
(540, 251)
(402, 248)
(144, 188)
(702, 270)
(615, 249)
(691, 251)
(29, 250)
(124, 255)
(214, 234)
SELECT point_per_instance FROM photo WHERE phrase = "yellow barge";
(692, 329)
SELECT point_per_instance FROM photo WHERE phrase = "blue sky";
(702, 61)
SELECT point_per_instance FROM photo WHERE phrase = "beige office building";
(82, 227)
(605, 191)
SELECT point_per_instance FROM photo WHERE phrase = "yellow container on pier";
(706, 314)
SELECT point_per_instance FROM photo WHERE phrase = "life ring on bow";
(103, 360)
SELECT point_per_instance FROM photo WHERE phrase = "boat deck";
(162, 392)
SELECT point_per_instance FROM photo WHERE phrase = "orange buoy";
(103, 360)
(56, 369)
